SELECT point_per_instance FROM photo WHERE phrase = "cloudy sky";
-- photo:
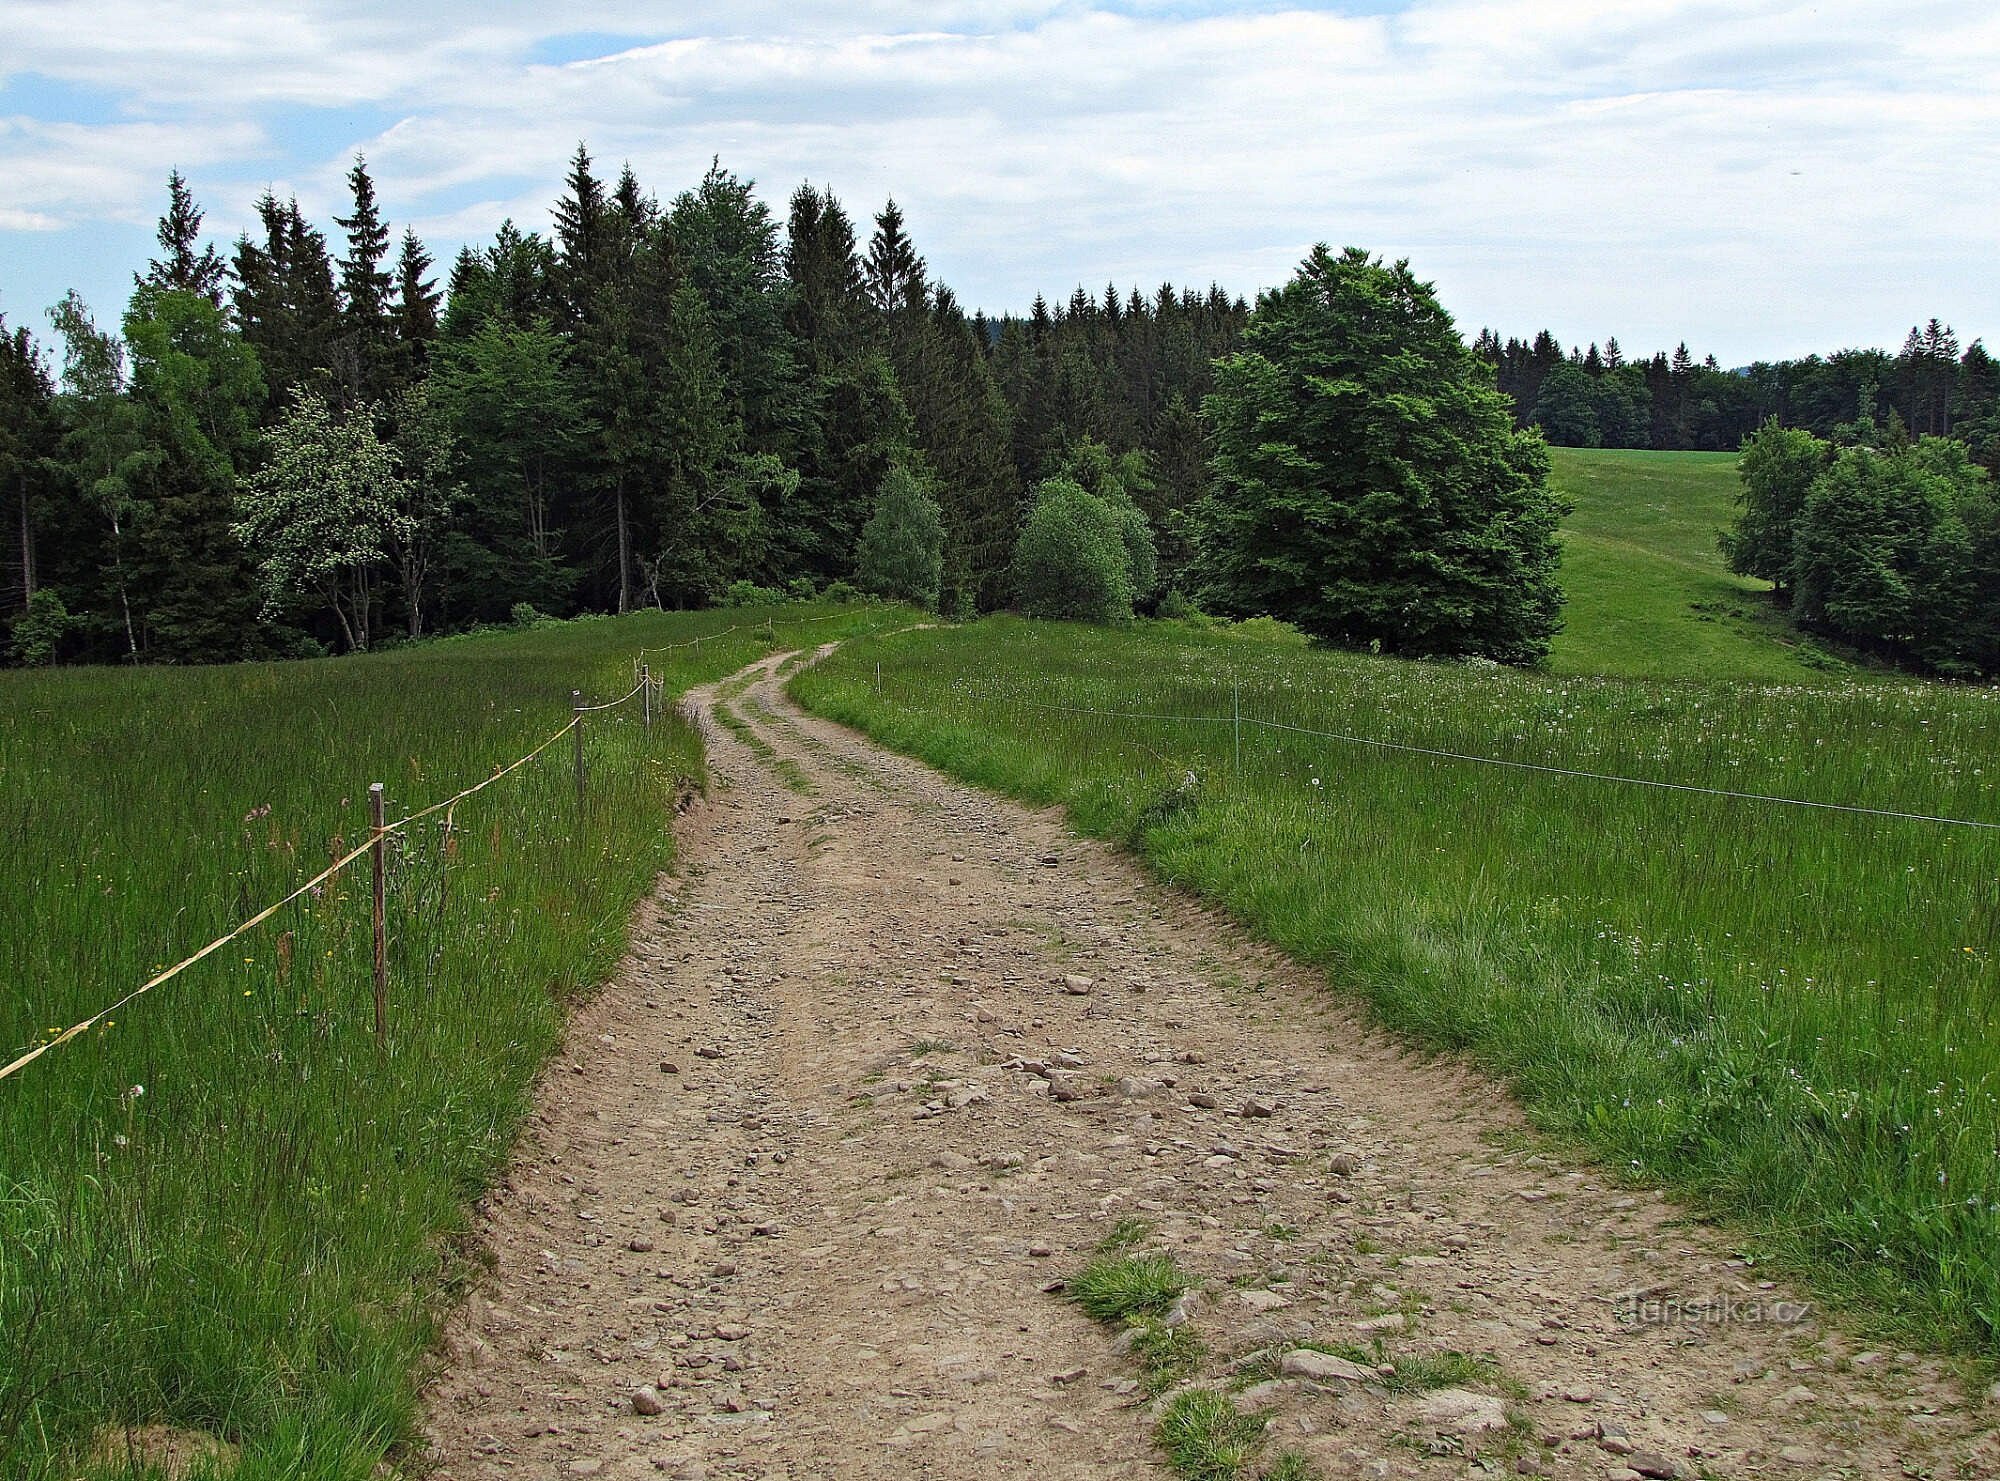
(1759, 178)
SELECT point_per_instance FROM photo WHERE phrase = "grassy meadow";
(1649, 594)
(224, 1211)
(1787, 1014)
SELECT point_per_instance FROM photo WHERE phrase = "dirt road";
(891, 1056)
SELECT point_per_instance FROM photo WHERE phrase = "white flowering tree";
(322, 516)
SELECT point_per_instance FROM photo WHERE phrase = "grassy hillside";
(224, 1210)
(1649, 595)
(1788, 1013)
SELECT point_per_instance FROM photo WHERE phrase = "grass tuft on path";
(1114, 1287)
(1206, 1438)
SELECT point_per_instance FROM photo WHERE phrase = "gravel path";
(891, 1056)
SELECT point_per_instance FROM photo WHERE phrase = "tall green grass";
(1649, 595)
(225, 1210)
(1787, 1014)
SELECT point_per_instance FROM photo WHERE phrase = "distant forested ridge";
(1596, 397)
(321, 441)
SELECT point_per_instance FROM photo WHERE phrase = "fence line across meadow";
(1237, 720)
(698, 639)
(378, 833)
(380, 830)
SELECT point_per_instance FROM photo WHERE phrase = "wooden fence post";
(646, 694)
(576, 726)
(375, 817)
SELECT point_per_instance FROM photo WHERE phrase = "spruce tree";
(285, 301)
(190, 265)
(728, 246)
(368, 345)
(514, 281)
(416, 312)
(583, 237)
(829, 306)
(27, 442)
(699, 441)
(895, 274)
(633, 212)
(1182, 479)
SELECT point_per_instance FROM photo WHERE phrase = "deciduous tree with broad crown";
(322, 516)
(901, 551)
(1370, 485)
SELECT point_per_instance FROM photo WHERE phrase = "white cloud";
(1761, 177)
(81, 172)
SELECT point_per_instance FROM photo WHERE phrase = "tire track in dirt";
(891, 1055)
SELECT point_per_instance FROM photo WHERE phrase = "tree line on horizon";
(1596, 397)
(311, 446)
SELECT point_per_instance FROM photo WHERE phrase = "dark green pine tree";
(621, 364)
(514, 281)
(1071, 400)
(415, 318)
(583, 239)
(190, 265)
(285, 302)
(728, 245)
(962, 429)
(1975, 406)
(615, 295)
(633, 212)
(962, 423)
(895, 276)
(1039, 323)
(829, 312)
(27, 446)
(366, 361)
(857, 425)
(594, 242)
(702, 531)
(1180, 461)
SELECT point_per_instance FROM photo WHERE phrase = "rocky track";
(892, 1057)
